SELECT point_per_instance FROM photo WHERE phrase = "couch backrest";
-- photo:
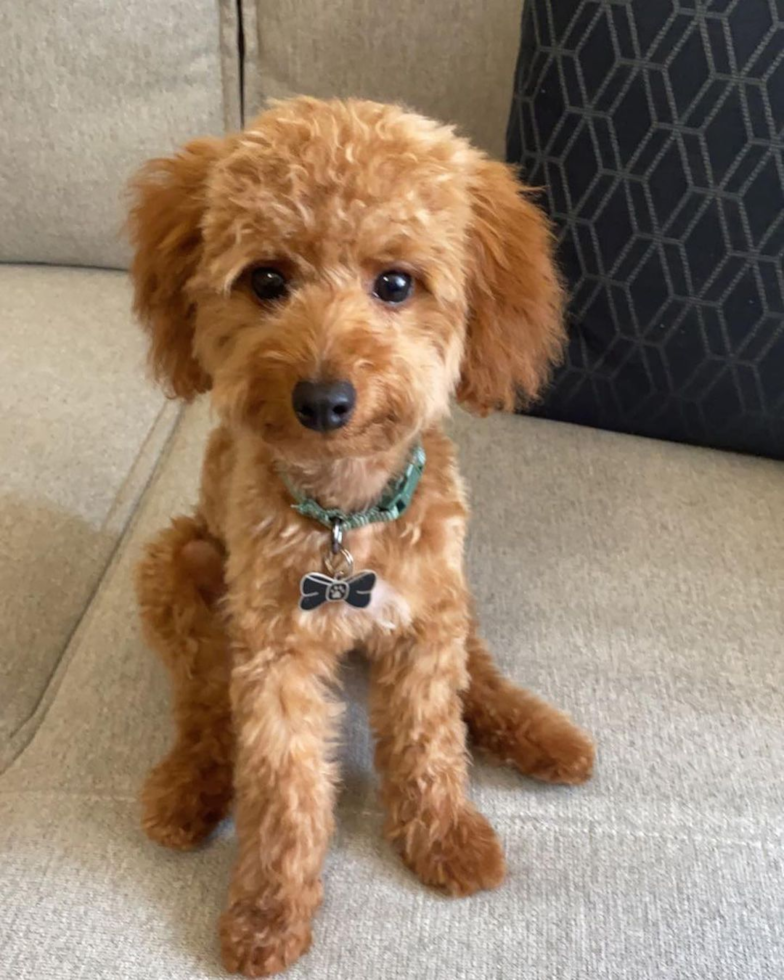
(88, 90)
(450, 59)
(91, 88)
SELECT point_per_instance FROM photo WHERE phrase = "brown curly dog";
(334, 275)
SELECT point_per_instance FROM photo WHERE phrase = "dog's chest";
(293, 573)
(388, 607)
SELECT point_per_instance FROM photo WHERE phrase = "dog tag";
(316, 588)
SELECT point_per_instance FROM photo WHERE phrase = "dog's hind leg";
(178, 583)
(518, 728)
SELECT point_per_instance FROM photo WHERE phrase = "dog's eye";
(268, 283)
(393, 286)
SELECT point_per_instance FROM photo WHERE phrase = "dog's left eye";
(268, 283)
(393, 286)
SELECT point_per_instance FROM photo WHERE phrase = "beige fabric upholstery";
(451, 60)
(635, 583)
(88, 91)
(638, 584)
(80, 432)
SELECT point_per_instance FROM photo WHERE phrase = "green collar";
(393, 503)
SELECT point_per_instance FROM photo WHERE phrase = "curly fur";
(333, 193)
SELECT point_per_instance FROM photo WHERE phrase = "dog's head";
(337, 271)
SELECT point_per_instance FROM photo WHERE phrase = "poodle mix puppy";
(333, 275)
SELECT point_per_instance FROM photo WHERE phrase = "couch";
(636, 583)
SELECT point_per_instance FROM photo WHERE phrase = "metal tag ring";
(339, 565)
(337, 537)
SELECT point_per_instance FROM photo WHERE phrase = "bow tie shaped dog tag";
(339, 585)
(316, 589)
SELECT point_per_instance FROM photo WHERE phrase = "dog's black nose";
(323, 406)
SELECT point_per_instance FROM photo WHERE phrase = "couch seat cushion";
(80, 431)
(635, 583)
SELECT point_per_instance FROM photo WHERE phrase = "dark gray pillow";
(655, 128)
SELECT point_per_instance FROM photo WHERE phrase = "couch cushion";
(80, 433)
(635, 583)
(451, 61)
(90, 90)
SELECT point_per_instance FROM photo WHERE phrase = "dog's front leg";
(416, 712)
(284, 785)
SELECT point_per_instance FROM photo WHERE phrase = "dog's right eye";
(393, 287)
(268, 283)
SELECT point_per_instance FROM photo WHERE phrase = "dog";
(333, 276)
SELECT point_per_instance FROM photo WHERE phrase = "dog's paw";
(259, 939)
(183, 802)
(522, 731)
(558, 752)
(464, 858)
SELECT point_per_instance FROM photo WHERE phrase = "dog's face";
(337, 271)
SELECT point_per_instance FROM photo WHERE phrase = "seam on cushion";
(252, 92)
(47, 794)
(25, 730)
(771, 837)
(241, 57)
(230, 52)
(127, 498)
(85, 266)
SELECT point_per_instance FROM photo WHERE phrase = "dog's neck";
(349, 484)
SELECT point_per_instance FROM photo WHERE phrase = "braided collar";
(393, 503)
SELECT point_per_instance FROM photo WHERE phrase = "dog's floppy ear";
(168, 199)
(515, 320)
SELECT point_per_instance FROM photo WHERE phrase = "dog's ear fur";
(168, 200)
(515, 331)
